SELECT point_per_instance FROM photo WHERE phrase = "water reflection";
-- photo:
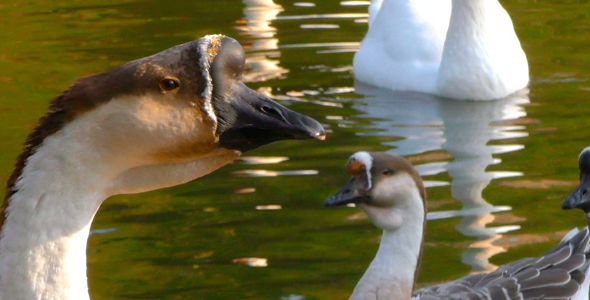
(355, 3)
(261, 160)
(271, 173)
(293, 297)
(246, 190)
(260, 42)
(426, 123)
(319, 26)
(324, 16)
(304, 4)
(268, 207)
(251, 261)
(100, 231)
(336, 47)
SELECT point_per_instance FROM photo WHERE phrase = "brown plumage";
(87, 93)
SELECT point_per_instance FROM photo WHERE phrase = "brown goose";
(155, 122)
(392, 194)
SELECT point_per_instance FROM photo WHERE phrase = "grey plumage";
(556, 275)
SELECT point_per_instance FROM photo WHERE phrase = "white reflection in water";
(324, 16)
(251, 261)
(355, 3)
(464, 129)
(319, 26)
(269, 173)
(261, 160)
(268, 207)
(247, 190)
(100, 231)
(336, 47)
(304, 4)
(293, 297)
(262, 46)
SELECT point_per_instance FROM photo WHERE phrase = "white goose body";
(463, 49)
(394, 201)
(403, 48)
(148, 124)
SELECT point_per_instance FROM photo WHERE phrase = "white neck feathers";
(43, 239)
(391, 274)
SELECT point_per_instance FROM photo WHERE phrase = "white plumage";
(463, 49)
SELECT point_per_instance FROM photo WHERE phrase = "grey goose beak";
(246, 119)
(580, 197)
(356, 190)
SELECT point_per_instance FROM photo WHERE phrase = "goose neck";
(391, 273)
(468, 17)
(47, 222)
(469, 7)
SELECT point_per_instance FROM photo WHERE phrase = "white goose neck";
(470, 7)
(114, 149)
(63, 183)
(44, 236)
(391, 273)
(468, 19)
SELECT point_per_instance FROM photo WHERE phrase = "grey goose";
(389, 189)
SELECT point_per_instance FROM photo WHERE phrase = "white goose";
(155, 122)
(463, 49)
(392, 194)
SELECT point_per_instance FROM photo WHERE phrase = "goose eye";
(169, 84)
(387, 172)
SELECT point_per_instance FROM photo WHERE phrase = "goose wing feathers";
(558, 274)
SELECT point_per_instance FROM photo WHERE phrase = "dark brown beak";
(356, 190)
(246, 119)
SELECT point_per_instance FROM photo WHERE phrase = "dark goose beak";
(580, 197)
(246, 119)
(356, 191)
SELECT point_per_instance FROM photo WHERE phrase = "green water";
(179, 243)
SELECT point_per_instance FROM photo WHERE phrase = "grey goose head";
(388, 188)
(580, 196)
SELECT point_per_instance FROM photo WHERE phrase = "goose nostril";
(271, 111)
(584, 192)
